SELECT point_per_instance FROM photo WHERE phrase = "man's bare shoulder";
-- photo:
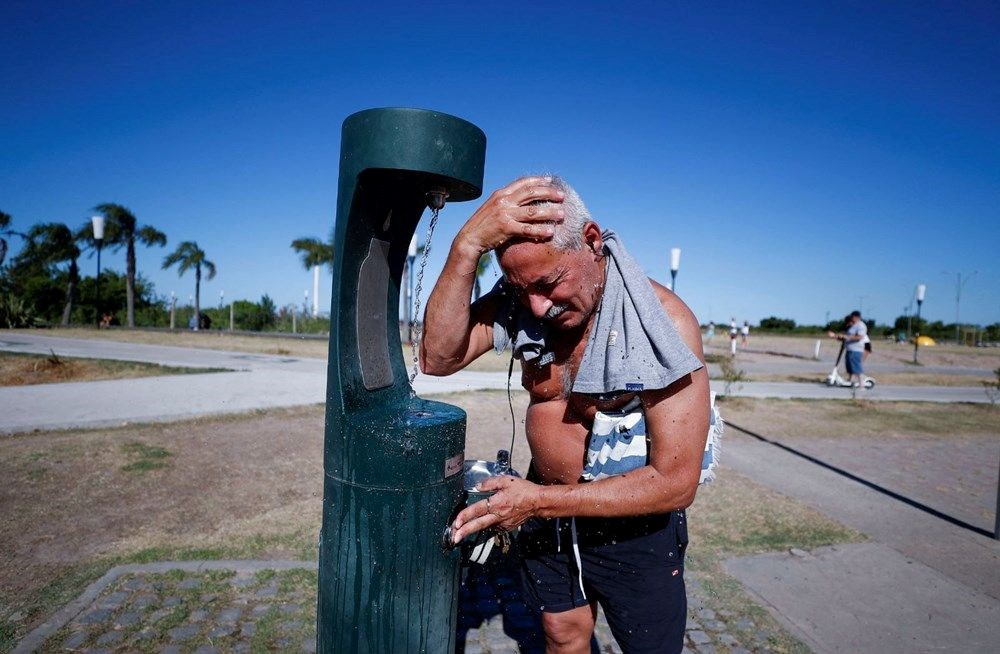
(684, 319)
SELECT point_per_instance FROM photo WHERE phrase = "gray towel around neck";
(633, 344)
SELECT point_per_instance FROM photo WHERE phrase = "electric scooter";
(834, 378)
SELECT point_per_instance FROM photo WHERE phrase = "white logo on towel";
(612, 337)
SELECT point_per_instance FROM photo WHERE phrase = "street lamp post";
(675, 264)
(97, 223)
(921, 291)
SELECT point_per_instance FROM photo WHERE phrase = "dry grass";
(310, 348)
(884, 351)
(851, 419)
(250, 487)
(915, 378)
(735, 516)
(28, 369)
(212, 340)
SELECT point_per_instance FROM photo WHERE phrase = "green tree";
(6, 231)
(123, 230)
(314, 252)
(52, 244)
(189, 256)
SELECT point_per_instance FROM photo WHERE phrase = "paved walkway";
(920, 577)
(261, 381)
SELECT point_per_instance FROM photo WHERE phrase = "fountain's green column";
(392, 461)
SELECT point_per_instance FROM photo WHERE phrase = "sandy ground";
(987, 358)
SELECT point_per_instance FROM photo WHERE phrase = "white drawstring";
(558, 540)
(576, 551)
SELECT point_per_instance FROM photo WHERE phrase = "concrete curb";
(34, 640)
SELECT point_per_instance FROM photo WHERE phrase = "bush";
(775, 324)
(15, 312)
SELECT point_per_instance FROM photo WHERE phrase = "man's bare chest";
(549, 379)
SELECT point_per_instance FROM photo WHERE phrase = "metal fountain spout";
(436, 197)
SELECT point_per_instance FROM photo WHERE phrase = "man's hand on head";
(514, 501)
(524, 209)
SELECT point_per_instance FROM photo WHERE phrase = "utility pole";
(959, 285)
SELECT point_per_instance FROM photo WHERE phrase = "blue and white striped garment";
(618, 443)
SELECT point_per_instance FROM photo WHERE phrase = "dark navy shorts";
(633, 567)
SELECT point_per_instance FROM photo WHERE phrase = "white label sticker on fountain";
(454, 464)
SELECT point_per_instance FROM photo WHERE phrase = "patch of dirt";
(777, 348)
(288, 345)
(846, 419)
(71, 496)
(884, 379)
(29, 369)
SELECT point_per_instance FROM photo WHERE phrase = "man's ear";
(592, 238)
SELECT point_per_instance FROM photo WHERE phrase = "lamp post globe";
(675, 264)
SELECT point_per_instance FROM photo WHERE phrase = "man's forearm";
(640, 492)
(444, 344)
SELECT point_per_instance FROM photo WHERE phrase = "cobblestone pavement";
(226, 610)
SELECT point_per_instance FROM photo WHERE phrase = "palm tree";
(122, 229)
(52, 244)
(5, 221)
(481, 268)
(188, 255)
(314, 252)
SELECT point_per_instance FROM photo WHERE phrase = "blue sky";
(807, 157)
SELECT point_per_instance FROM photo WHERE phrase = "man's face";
(561, 287)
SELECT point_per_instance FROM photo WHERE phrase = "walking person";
(745, 333)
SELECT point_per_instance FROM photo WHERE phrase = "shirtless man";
(618, 540)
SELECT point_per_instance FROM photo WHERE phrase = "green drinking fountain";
(392, 461)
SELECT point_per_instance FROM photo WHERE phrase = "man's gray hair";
(569, 234)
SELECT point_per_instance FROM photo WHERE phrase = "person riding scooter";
(853, 346)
